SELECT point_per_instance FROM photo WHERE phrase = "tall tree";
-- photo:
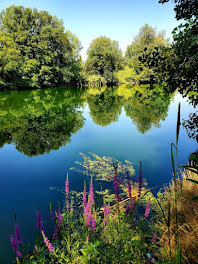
(35, 50)
(104, 58)
(143, 44)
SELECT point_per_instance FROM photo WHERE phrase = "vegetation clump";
(36, 51)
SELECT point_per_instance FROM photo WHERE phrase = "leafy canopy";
(35, 50)
(104, 58)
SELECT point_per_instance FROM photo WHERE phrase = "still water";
(42, 133)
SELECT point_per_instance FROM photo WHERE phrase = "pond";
(43, 131)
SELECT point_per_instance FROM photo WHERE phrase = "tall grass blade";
(178, 123)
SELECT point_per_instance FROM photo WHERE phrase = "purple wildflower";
(140, 182)
(59, 216)
(88, 220)
(13, 243)
(106, 214)
(14, 246)
(71, 208)
(39, 221)
(147, 210)
(84, 195)
(67, 191)
(47, 243)
(17, 234)
(56, 232)
(131, 204)
(87, 208)
(154, 238)
(91, 193)
(93, 224)
(18, 253)
(52, 215)
(116, 186)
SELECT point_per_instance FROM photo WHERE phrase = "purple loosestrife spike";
(14, 246)
(13, 243)
(84, 195)
(91, 193)
(93, 224)
(71, 208)
(67, 192)
(18, 253)
(52, 216)
(131, 204)
(116, 186)
(87, 208)
(47, 243)
(88, 220)
(39, 222)
(17, 234)
(56, 231)
(154, 238)
(147, 211)
(106, 214)
(140, 181)
(59, 216)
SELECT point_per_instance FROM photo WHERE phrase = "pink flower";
(93, 224)
(91, 193)
(154, 237)
(67, 192)
(39, 221)
(140, 182)
(116, 186)
(67, 187)
(15, 246)
(88, 220)
(147, 210)
(17, 234)
(47, 243)
(106, 214)
(71, 208)
(84, 195)
(131, 204)
(59, 216)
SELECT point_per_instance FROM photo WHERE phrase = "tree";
(184, 9)
(104, 59)
(35, 50)
(147, 107)
(105, 106)
(144, 43)
(185, 47)
(39, 121)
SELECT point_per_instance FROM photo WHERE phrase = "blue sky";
(118, 19)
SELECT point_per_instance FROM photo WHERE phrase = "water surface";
(43, 131)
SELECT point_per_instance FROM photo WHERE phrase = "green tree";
(39, 121)
(35, 50)
(104, 59)
(185, 47)
(144, 43)
(105, 105)
(147, 107)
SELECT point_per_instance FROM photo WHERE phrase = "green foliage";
(35, 51)
(102, 167)
(182, 68)
(184, 9)
(40, 120)
(147, 107)
(126, 237)
(104, 59)
(144, 43)
(105, 105)
(127, 75)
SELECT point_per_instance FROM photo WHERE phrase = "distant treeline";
(37, 52)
